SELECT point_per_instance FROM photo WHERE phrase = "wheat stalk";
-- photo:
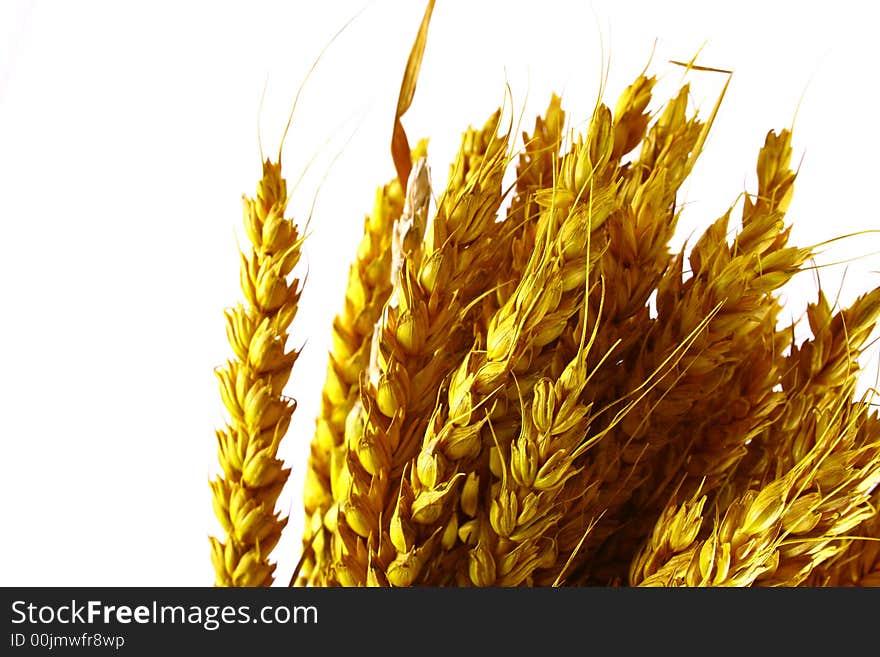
(415, 340)
(251, 386)
(526, 502)
(537, 164)
(367, 291)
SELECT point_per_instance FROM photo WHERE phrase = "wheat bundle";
(547, 394)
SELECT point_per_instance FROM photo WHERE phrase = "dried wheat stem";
(840, 499)
(823, 367)
(742, 277)
(748, 398)
(636, 254)
(636, 232)
(813, 370)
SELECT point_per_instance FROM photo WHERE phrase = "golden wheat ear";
(251, 386)
(367, 291)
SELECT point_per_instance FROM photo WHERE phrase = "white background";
(128, 132)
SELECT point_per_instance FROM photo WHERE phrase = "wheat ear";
(414, 341)
(251, 386)
(367, 291)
